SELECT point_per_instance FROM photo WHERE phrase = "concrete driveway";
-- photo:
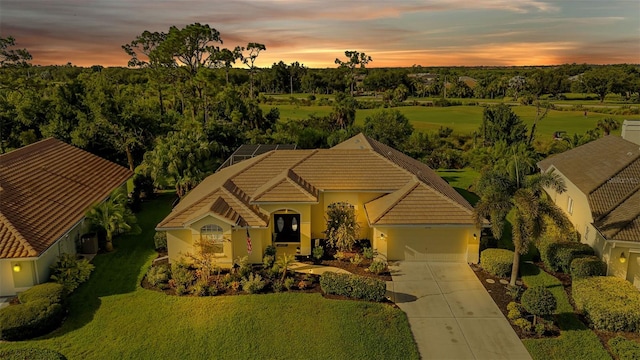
(451, 314)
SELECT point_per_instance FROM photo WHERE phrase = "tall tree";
(254, 50)
(501, 194)
(390, 127)
(11, 56)
(500, 123)
(354, 61)
(194, 46)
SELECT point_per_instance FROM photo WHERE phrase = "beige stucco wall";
(428, 243)
(633, 270)
(239, 243)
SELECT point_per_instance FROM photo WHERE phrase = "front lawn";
(112, 317)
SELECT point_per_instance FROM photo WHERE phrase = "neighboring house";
(45, 190)
(603, 200)
(404, 208)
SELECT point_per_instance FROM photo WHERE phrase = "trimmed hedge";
(31, 354)
(557, 256)
(588, 266)
(538, 300)
(497, 261)
(610, 303)
(624, 349)
(353, 286)
(53, 292)
(41, 310)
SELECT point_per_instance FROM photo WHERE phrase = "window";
(211, 237)
(570, 205)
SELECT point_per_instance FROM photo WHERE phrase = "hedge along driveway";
(576, 341)
(111, 317)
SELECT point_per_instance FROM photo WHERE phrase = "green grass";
(112, 317)
(466, 119)
(576, 341)
(461, 180)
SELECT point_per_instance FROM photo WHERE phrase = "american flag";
(249, 248)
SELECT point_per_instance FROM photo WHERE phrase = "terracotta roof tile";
(46, 188)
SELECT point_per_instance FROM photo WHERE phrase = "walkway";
(451, 314)
(315, 269)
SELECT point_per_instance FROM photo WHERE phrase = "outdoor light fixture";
(475, 237)
(17, 268)
(623, 259)
(381, 235)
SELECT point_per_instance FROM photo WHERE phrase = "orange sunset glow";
(396, 34)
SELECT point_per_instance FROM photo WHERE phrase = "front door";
(286, 228)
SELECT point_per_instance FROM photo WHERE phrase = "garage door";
(419, 244)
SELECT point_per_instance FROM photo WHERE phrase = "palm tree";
(607, 125)
(284, 263)
(502, 193)
(113, 217)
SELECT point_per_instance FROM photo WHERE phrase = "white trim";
(210, 213)
(426, 226)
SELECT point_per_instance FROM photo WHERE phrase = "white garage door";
(418, 244)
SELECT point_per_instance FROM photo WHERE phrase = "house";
(45, 190)
(403, 207)
(603, 200)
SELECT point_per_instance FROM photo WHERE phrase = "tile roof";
(358, 164)
(46, 188)
(607, 171)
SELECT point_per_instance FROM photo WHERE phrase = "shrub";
(353, 286)
(342, 225)
(356, 259)
(202, 288)
(497, 261)
(289, 283)
(539, 301)
(368, 253)
(523, 324)
(378, 267)
(277, 285)
(182, 277)
(70, 272)
(253, 284)
(267, 261)
(515, 291)
(52, 292)
(514, 311)
(160, 240)
(270, 250)
(340, 255)
(235, 285)
(244, 268)
(588, 266)
(158, 276)
(610, 303)
(31, 354)
(30, 319)
(317, 252)
(557, 256)
(624, 349)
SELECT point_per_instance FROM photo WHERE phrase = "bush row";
(588, 266)
(41, 310)
(497, 261)
(610, 303)
(353, 286)
(557, 256)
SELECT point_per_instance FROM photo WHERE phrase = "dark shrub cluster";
(610, 303)
(353, 286)
(557, 256)
(70, 271)
(40, 311)
(497, 261)
(588, 266)
(539, 301)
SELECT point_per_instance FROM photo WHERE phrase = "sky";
(395, 33)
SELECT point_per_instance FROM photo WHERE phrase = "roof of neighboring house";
(45, 189)
(607, 171)
(357, 164)
(247, 151)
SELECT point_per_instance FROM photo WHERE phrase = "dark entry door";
(287, 228)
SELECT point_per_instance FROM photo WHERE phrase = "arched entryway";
(286, 227)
